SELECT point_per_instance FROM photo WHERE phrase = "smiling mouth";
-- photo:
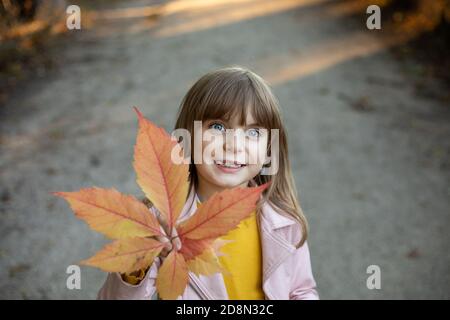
(230, 165)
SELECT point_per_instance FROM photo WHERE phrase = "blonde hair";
(226, 92)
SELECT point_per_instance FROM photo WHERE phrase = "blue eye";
(217, 126)
(254, 133)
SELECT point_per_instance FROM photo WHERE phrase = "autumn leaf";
(126, 255)
(172, 276)
(206, 263)
(163, 182)
(135, 227)
(114, 214)
(191, 248)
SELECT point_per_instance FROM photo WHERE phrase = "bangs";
(229, 98)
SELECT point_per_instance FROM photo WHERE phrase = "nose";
(234, 140)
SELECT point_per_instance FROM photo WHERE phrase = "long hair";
(229, 92)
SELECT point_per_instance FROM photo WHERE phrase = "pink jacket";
(287, 273)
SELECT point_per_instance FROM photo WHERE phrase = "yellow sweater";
(243, 260)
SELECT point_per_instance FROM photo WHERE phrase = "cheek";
(204, 170)
(205, 146)
(257, 152)
(253, 170)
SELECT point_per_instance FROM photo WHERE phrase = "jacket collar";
(273, 218)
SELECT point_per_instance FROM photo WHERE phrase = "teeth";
(228, 164)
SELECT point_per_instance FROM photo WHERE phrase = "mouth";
(229, 166)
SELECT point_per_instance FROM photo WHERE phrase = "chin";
(229, 184)
(224, 182)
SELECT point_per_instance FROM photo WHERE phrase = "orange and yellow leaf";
(192, 247)
(126, 255)
(163, 182)
(172, 276)
(112, 213)
(206, 263)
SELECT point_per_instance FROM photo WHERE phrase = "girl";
(267, 256)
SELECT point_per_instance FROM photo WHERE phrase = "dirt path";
(370, 156)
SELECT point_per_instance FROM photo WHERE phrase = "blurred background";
(367, 114)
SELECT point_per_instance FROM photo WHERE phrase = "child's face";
(231, 164)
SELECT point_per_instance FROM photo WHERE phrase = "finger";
(164, 253)
(174, 233)
(163, 227)
(162, 222)
(176, 239)
(166, 250)
(162, 239)
(176, 242)
(168, 246)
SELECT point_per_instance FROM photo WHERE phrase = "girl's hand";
(171, 242)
